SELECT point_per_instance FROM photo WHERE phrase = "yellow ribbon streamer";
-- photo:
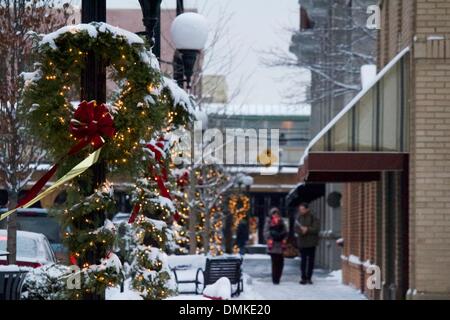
(75, 172)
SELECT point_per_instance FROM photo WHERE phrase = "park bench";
(215, 269)
(195, 281)
(11, 284)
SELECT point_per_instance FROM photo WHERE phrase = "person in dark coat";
(275, 233)
(307, 227)
(242, 235)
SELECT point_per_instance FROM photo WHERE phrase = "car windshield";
(26, 247)
(46, 225)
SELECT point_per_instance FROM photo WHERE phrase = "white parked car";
(33, 249)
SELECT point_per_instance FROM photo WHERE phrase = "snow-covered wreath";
(143, 103)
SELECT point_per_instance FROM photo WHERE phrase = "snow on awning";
(374, 122)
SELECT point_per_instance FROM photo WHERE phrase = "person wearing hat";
(275, 233)
(307, 227)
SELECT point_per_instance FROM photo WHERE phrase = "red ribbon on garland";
(158, 150)
(183, 180)
(90, 124)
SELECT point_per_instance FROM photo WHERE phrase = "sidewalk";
(258, 283)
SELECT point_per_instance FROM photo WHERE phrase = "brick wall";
(359, 232)
(430, 177)
(430, 149)
(378, 235)
(397, 28)
(428, 21)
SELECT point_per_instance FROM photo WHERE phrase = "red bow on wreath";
(91, 123)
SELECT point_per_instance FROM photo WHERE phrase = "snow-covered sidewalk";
(325, 287)
(258, 282)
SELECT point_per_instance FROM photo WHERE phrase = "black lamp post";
(93, 87)
(93, 80)
(177, 59)
(188, 58)
(180, 7)
(151, 11)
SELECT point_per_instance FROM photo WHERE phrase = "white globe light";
(190, 31)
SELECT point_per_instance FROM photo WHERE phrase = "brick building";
(390, 146)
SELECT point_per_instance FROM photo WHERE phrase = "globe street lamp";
(189, 34)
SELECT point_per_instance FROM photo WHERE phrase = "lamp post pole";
(151, 12)
(93, 79)
(93, 87)
(178, 75)
(180, 7)
(178, 68)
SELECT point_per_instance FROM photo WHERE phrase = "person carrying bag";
(275, 233)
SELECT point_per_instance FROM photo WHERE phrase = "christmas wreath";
(144, 102)
(144, 105)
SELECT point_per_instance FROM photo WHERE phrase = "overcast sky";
(254, 26)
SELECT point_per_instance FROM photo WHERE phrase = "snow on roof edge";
(353, 102)
(223, 109)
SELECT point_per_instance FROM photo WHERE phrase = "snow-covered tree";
(212, 183)
(149, 270)
(180, 196)
(20, 154)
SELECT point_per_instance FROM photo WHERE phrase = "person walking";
(275, 233)
(307, 227)
(242, 235)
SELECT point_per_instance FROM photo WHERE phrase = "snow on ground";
(220, 290)
(184, 297)
(258, 284)
(325, 287)
(127, 294)
(191, 261)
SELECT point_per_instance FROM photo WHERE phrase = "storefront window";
(378, 122)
